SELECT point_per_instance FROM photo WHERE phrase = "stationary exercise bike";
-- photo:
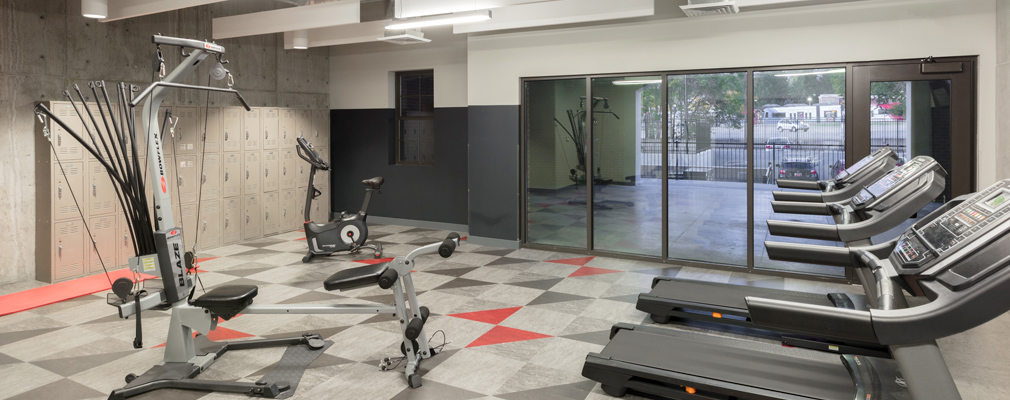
(344, 232)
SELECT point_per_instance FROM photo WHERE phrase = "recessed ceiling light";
(97, 9)
(441, 19)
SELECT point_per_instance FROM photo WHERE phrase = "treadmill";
(875, 209)
(846, 184)
(906, 192)
(959, 261)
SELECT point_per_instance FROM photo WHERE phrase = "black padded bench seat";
(227, 301)
(355, 277)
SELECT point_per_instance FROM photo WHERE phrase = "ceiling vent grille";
(697, 8)
(404, 37)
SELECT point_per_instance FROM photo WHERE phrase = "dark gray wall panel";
(494, 171)
(360, 146)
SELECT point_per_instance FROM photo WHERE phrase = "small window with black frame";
(415, 118)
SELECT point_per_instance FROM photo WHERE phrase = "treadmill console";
(859, 165)
(921, 247)
(890, 181)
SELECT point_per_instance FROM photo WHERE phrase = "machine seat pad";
(374, 183)
(356, 277)
(228, 300)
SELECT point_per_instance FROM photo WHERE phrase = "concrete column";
(1002, 90)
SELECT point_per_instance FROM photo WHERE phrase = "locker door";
(303, 173)
(289, 169)
(63, 201)
(232, 177)
(323, 177)
(66, 147)
(231, 129)
(68, 249)
(321, 205)
(253, 170)
(187, 220)
(211, 179)
(252, 217)
(187, 131)
(231, 223)
(271, 171)
(104, 232)
(321, 128)
(101, 194)
(209, 225)
(301, 207)
(290, 219)
(269, 124)
(124, 244)
(305, 126)
(212, 117)
(288, 128)
(252, 136)
(186, 177)
(271, 213)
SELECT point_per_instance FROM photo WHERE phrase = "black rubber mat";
(292, 365)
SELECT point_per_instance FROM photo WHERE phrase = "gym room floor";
(519, 324)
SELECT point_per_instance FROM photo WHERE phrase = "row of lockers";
(247, 178)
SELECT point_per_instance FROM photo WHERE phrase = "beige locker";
(211, 179)
(124, 243)
(68, 249)
(290, 218)
(253, 170)
(270, 125)
(231, 221)
(187, 219)
(303, 174)
(252, 217)
(209, 225)
(186, 173)
(301, 208)
(289, 169)
(104, 232)
(321, 205)
(322, 177)
(101, 194)
(271, 170)
(252, 136)
(231, 128)
(289, 128)
(305, 126)
(212, 117)
(187, 132)
(66, 147)
(64, 206)
(232, 177)
(271, 213)
(321, 128)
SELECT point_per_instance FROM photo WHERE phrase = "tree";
(890, 93)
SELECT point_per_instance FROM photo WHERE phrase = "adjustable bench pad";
(227, 301)
(355, 277)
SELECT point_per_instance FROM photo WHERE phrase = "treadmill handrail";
(822, 321)
(805, 208)
(804, 185)
(826, 255)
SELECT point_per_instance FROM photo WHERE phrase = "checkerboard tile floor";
(519, 324)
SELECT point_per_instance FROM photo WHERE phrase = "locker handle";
(226, 219)
(59, 192)
(226, 177)
(266, 215)
(204, 179)
(60, 250)
(205, 226)
(247, 218)
(59, 139)
(226, 136)
(246, 135)
(126, 239)
(179, 179)
(94, 189)
(247, 174)
(266, 172)
(284, 171)
(266, 135)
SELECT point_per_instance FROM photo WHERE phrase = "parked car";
(780, 143)
(799, 169)
(792, 126)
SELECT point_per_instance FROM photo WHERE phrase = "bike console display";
(309, 154)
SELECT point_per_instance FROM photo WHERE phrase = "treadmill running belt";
(744, 363)
(732, 296)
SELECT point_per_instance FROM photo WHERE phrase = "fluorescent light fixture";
(441, 19)
(638, 82)
(830, 71)
(300, 39)
(97, 9)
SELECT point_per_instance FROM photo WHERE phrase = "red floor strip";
(218, 334)
(586, 271)
(374, 261)
(580, 261)
(57, 292)
(488, 316)
(501, 334)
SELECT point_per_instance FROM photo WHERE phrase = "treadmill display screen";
(856, 167)
(966, 219)
(892, 179)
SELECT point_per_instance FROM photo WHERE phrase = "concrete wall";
(862, 31)
(48, 47)
(1002, 89)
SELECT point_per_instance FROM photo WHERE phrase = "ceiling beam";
(559, 12)
(418, 8)
(288, 19)
(342, 34)
(123, 9)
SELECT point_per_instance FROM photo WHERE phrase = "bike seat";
(374, 183)
(356, 277)
(227, 301)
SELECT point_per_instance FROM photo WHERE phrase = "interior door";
(919, 108)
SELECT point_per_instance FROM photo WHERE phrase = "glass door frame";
(854, 150)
